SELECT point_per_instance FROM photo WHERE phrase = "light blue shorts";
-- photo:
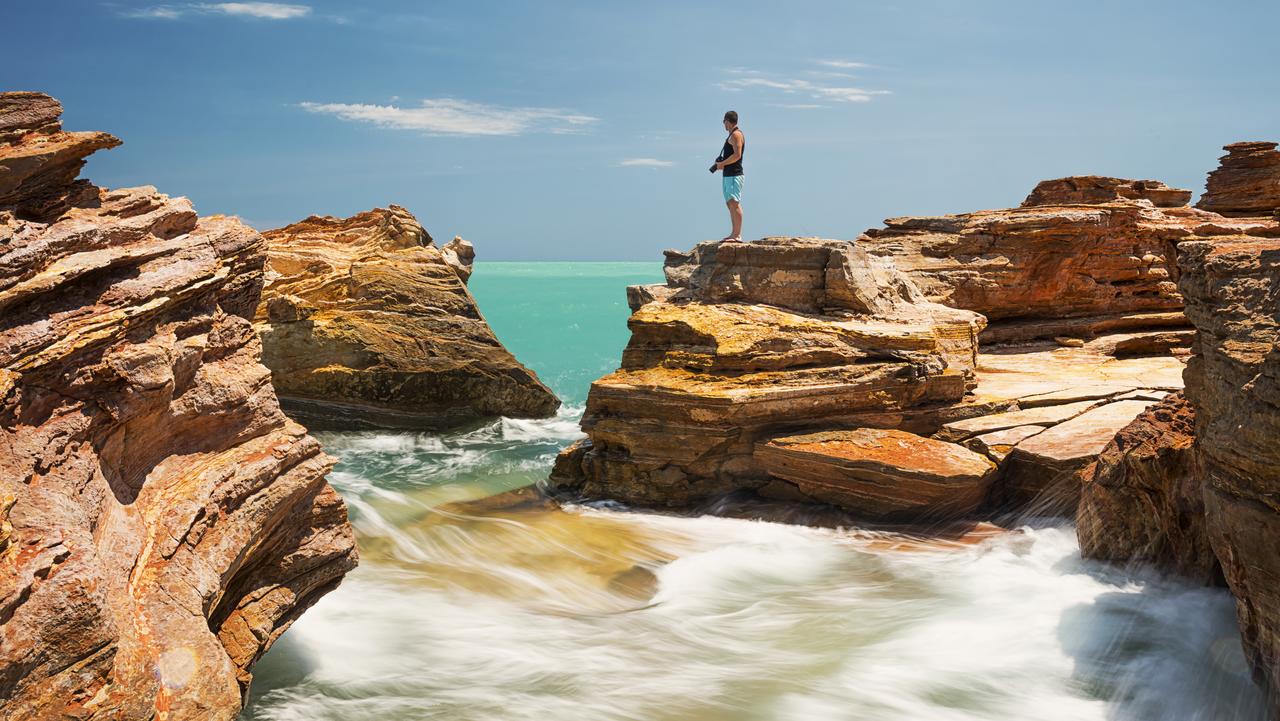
(732, 187)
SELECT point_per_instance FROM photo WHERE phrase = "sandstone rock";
(1142, 500)
(1232, 287)
(1247, 183)
(999, 444)
(39, 162)
(366, 324)
(460, 255)
(1039, 473)
(882, 474)
(755, 339)
(1043, 416)
(1094, 189)
(161, 521)
(1043, 271)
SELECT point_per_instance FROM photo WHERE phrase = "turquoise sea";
(466, 610)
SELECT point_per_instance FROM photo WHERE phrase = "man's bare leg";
(735, 217)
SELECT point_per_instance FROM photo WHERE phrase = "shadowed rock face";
(161, 521)
(365, 323)
(1232, 288)
(1246, 183)
(1142, 499)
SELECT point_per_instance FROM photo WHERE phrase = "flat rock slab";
(998, 445)
(1042, 416)
(877, 473)
(1041, 469)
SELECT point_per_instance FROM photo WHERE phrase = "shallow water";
(507, 609)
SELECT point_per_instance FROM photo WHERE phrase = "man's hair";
(732, 116)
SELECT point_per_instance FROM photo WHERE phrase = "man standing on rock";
(730, 162)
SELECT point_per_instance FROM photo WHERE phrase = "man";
(730, 163)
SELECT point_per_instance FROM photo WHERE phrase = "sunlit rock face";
(161, 521)
(753, 340)
(1052, 270)
(365, 323)
(1232, 287)
(1247, 183)
(1094, 189)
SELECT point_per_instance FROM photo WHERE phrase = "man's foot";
(731, 239)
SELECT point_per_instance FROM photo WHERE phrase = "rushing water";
(506, 609)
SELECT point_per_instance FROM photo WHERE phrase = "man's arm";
(736, 141)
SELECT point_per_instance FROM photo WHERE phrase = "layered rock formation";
(753, 340)
(1045, 271)
(161, 521)
(365, 323)
(1247, 183)
(1093, 189)
(1232, 289)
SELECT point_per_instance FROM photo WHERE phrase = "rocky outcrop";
(1095, 189)
(1246, 183)
(365, 323)
(161, 521)
(1142, 499)
(1232, 287)
(1045, 271)
(753, 340)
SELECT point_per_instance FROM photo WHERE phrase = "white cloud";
(645, 163)
(843, 64)
(814, 90)
(449, 116)
(159, 12)
(266, 11)
(269, 11)
(799, 106)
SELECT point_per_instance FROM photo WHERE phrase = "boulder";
(1094, 189)
(1142, 499)
(161, 521)
(1246, 183)
(880, 474)
(365, 323)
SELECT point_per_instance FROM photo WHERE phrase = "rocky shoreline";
(162, 520)
(982, 366)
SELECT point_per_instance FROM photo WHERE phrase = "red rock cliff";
(161, 521)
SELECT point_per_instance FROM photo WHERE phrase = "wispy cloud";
(265, 11)
(646, 163)
(843, 64)
(834, 93)
(450, 116)
(799, 106)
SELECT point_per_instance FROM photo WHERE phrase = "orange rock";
(1039, 472)
(883, 474)
(1247, 183)
(161, 521)
(365, 323)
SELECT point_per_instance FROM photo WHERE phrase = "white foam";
(763, 621)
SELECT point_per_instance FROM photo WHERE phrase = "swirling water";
(509, 610)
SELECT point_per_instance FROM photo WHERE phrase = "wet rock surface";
(365, 323)
(161, 521)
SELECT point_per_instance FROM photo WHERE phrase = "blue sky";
(583, 130)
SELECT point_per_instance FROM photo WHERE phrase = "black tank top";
(734, 168)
